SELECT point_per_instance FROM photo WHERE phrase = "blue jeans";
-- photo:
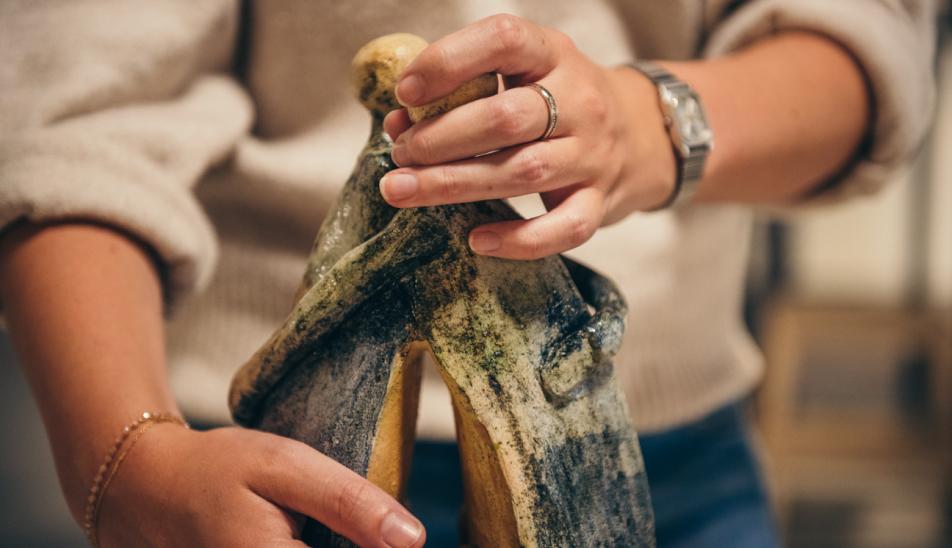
(706, 487)
(705, 483)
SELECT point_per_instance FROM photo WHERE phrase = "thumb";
(308, 482)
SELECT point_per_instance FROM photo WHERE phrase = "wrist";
(698, 75)
(650, 172)
(137, 475)
(80, 453)
(687, 125)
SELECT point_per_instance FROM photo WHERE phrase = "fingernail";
(389, 116)
(409, 90)
(399, 153)
(398, 186)
(400, 531)
(484, 241)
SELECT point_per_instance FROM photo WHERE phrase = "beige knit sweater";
(219, 134)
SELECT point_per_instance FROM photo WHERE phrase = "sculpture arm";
(577, 360)
(412, 237)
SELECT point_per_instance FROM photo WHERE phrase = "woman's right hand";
(84, 306)
(236, 487)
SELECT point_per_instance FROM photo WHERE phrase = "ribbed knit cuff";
(894, 47)
(61, 177)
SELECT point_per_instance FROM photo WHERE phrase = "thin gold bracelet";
(109, 467)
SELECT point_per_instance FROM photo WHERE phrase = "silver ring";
(552, 108)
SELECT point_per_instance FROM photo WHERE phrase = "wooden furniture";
(856, 404)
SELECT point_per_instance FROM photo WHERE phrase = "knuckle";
(535, 245)
(563, 41)
(508, 117)
(421, 148)
(223, 437)
(509, 31)
(596, 109)
(531, 168)
(350, 502)
(447, 184)
(273, 455)
(578, 229)
(440, 60)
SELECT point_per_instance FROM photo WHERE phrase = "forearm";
(84, 309)
(788, 113)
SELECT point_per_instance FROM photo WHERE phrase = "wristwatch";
(691, 135)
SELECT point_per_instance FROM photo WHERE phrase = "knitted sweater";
(218, 133)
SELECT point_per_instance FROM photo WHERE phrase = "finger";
(516, 171)
(261, 523)
(396, 122)
(276, 522)
(516, 116)
(567, 226)
(502, 43)
(308, 482)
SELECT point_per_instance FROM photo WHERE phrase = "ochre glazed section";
(389, 466)
(489, 519)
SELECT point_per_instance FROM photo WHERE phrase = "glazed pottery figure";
(548, 454)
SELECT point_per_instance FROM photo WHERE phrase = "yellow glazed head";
(377, 66)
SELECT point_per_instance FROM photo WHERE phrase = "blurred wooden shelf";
(853, 392)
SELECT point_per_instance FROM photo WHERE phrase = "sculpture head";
(377, 66)
(376, 69)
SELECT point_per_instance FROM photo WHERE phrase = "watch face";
(689, 119)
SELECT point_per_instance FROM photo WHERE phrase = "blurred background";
(853, 308)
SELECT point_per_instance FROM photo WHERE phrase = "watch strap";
(690, 165)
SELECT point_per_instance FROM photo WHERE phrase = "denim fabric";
(706, 487)
(705, 483)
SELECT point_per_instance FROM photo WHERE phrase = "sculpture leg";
(342, 374)
(508, 336)
(353, 396)
(533, 477)
(392, 452)
(488, 514)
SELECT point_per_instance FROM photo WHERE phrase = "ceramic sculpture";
(548, 454)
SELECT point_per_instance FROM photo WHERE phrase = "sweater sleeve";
(110, 111)
(892, 40)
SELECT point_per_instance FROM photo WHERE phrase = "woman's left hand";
(608, 156)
